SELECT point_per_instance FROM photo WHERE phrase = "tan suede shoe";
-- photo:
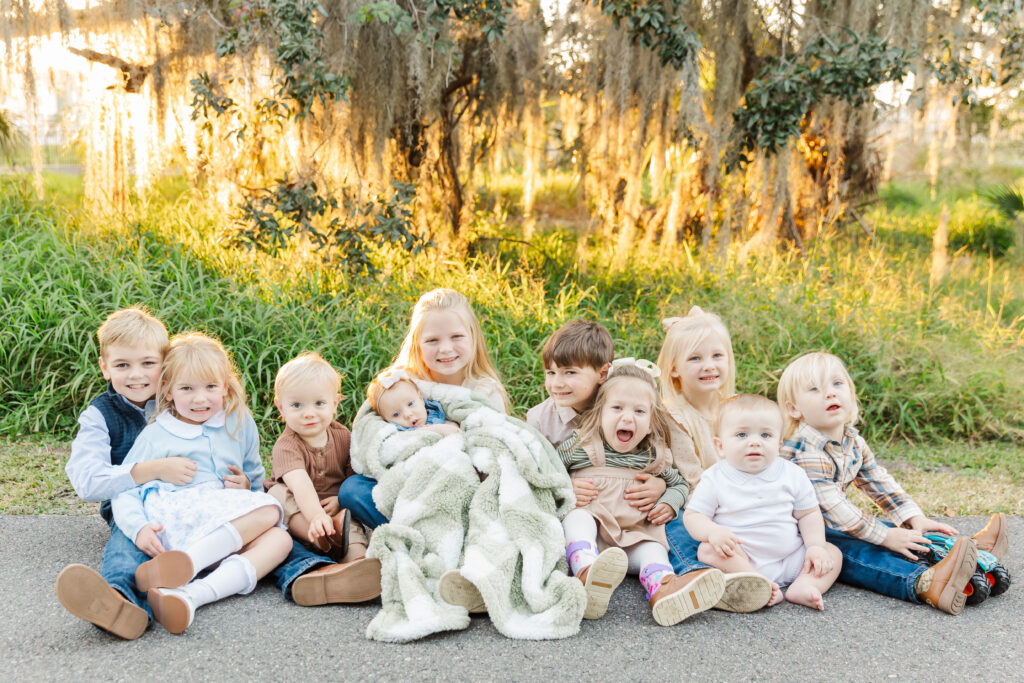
(995, 537)
(455, 589)
(172, 608)
(946, 592)
(745, 592)
(169, 569)
(601, 579)
(680, 597)
(356, 581)
(88, 596)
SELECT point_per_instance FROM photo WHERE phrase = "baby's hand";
(724, 541)
(236, 480)
(816, 561)
(585, 491)
(331, 506)
(443, 429)
(147, 540)
(644, 496)
(176, 470)
(661, 514)
(904, 542)
(320, 526)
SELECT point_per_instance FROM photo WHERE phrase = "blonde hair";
(410, 357)
(376, 389)
(135, 327)
(813, 369)
(745, 403)
(590, 423)
(307, 368)
(682, 337)
(202, 357)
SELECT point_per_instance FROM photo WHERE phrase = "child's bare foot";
(806, 595)
(776, 595)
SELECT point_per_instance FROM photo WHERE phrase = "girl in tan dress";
(624, 433)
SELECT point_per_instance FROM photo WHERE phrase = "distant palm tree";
(11, 138)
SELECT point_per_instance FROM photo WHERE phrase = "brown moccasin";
(356, 581)
(87, 595)
(169, 569)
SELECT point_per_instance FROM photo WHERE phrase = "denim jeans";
(121, 558)
(299, 561)
(877, 569)
(356, 494)
(682, 548)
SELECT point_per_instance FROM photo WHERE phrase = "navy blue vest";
(124, 422)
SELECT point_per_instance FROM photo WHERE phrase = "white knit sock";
(235, 575)
(214, 546)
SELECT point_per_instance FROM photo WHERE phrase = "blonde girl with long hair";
(698, 372)
(222, 515)
(444, 344)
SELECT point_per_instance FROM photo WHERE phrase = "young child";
(623, 432)
(444, 344)
(698, 372)
(132, 344)
(820, 404)
(395, 397)
(222, 515)
(755, 512)
(310, 460)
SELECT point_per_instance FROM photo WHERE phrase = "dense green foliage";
(928, 362)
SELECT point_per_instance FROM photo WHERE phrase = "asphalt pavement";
(859, 636)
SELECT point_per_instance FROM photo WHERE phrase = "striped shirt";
(832, 466)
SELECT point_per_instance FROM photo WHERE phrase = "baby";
(755, 512)
(395, 397)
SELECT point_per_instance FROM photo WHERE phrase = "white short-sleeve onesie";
(758, 508)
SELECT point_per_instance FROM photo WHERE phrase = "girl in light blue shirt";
(222, 515)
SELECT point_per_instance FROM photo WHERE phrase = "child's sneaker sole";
(603, 577)
(745, 592)
(686, 597)
(169, 569)
(87, 595)
(455, 589)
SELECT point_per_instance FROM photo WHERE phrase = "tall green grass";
(929, 363)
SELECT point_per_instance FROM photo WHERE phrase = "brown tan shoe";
(949, 577)
(172, 608)
(88, 596)
(356, 581)
(455, 589)
(601, 579)
(995, 537)
(680, 597)
(169, 569)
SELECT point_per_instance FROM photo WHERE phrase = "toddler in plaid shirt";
(820, 404)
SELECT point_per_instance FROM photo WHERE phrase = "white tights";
(579, 525)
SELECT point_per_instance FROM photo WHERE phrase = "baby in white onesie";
(755, 512)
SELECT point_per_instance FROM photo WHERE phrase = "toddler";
(222, 515)
(820, 404)
(395, 397)
(625, 432)
(310, 460)
(755, 512)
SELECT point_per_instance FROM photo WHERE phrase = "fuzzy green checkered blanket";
(502, 533)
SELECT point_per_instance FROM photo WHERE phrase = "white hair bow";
(642, 363)
(390, 378)
(667, 323)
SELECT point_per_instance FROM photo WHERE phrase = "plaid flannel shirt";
(832, 466)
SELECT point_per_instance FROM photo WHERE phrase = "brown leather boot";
(949, 577)
(995, 537)
(356, 581)
(601, 579)
(87, 595)
(680, 597)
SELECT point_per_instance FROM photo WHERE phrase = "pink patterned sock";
(652, 575)
(580, 555)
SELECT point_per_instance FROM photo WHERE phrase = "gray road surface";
(860, 636)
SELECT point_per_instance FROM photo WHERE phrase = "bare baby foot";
(805, 595)
(776, 595)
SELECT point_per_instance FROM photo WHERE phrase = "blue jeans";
(877, 569)
(299, 561)
(356, 494)
(121, 558)
(682, 548)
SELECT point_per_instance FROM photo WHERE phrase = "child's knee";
(268, 515)
(279, 540)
